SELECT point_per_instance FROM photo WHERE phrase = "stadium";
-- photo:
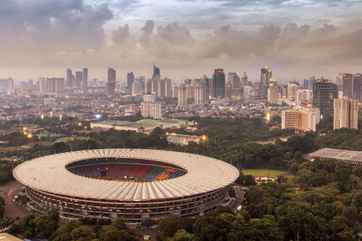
(134, 184)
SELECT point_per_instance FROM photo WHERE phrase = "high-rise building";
(244, 79)
(150, 108)
(324, 93)
(148, 88)
(69, 78)
(7, 86)
(352, 86)
(292, 91)
(234, 91)
(51, 86)
(182, 98)
(309, 83)
(168, 88)
(301, 119)
(85, 80)
(218, 83)
(111, 81)
(78, 79)
(345, 113)
(265, 76)
(304, 97)
(130, 80)
(200, 91)
(274, 95)
(137, 87)
(156, 72)
(248, 93)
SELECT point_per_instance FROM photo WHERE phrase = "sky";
(185, 38)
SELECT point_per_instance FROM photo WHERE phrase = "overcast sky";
(186, 38)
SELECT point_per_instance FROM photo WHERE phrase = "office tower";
(244, 79)
(352, 86)
(274, 95)
(69, 78)
(111, 81)
(218, 83)
(234, 79)
(51, 86)
(248, 93)
(78, 79)
(130, 80)
(235, 90)
(309, 83)
(345, 113)
(324, 93)
(156, 86)
(137, 87)
(7, 86)
(228, 90)
(148, 89)
(265, 76)
(150, 108)
(85, 80)
(292, 91)
(156, 72)
(301, 119)
(304, 97)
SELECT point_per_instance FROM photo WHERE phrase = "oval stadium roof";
(49, 174)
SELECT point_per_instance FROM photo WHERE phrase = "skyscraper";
(111, 81)
(137, 87)
(265, 76)
(345, 113)
(78, 79)
(156, 72)
(352, 86)
(218, 83)
(309, 83)
(274, 93)
(324, 93)
(85, 80)
(201, 96)
(130, 80)
(69, 78)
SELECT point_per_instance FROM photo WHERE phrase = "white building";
(51, 86)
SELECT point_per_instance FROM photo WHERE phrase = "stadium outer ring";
(50, 185)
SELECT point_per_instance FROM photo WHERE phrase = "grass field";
(265, 172)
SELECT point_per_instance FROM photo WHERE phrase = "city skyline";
(185, 38)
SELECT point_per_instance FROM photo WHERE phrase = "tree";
(60, 147)
(182, 235)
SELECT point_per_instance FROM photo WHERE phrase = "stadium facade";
(134, 184)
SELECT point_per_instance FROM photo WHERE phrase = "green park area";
(265, 172)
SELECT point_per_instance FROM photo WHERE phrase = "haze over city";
(297, 38)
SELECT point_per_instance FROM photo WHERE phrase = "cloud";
(52, 24)
(121, 35)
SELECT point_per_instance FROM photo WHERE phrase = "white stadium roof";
(49, 174)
